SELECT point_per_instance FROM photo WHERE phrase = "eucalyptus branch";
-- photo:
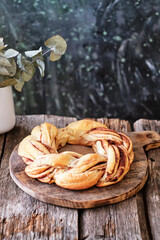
(47, 52)
(42, 55)
(12, 73)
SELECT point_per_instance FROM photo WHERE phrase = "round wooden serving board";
(93, 197)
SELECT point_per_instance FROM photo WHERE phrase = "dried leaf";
(26, 67)
(9, 70)
(8, 82)
(38, 56)
(33, 53)
(57, 44)
(3, 71)
(26, 76)
(19, 84)
(2, 46)
(54, 57)
(11, 53)
(18, 74)
(12, 69)
(4, 61)
(29, 67)
(41, 66)
(29, 71)
(21, 61)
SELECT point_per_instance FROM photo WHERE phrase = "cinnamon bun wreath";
(108, 165)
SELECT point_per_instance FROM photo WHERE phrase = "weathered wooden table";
(23, 217)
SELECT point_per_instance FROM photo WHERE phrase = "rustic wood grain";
(2, 144)
(116, 124)
(124, 220)
(152, 188)
(93, 197)
(21, 216)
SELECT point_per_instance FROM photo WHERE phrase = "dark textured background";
(112, 64)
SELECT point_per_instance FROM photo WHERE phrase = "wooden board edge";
(79, 204)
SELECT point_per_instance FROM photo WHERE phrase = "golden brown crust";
(108, 165)
(78, 181)
(77, 131)
(30, 148)
(46, 133)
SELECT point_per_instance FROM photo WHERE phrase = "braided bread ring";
(108, 165)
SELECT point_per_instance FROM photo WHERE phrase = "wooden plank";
(2, 143)
(21, 216)
(152, 189)
(125, 220)
(145, 124)
(116, 124)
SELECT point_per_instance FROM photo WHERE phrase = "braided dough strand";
(108, 165)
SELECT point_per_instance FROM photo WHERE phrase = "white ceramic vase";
(7, 112)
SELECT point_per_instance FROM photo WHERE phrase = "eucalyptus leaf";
(8, 82)
(21, 61)
(38, 56)
(12, 69)
(2, 46)
(4, 61)
(9, 70)
(1, 42)
(57, 44)
(41, 66)
(19, 84)
(29, 72)
(26, 77)
(18, 74)
(3, 71)
(29, 67)
(54, 57)
(33, 53)
(10, 53)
